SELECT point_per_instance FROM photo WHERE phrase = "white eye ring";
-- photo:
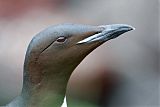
(61, 39)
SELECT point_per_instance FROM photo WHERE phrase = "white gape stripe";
(105, 34)
(64, 102)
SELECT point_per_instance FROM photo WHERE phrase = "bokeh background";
(122, 72)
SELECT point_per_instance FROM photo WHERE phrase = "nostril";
(98, 32)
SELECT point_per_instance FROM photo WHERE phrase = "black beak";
(109, 32)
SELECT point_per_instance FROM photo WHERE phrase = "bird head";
(63, 47)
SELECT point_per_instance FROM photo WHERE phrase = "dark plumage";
(52, 56)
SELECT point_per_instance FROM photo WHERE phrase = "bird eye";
(61, 39)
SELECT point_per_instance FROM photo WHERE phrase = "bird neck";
(48, 91)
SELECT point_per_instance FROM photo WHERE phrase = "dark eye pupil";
(61, 39)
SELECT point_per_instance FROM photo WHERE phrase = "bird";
(52, 56)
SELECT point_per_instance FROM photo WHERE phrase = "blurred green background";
(122, 72)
